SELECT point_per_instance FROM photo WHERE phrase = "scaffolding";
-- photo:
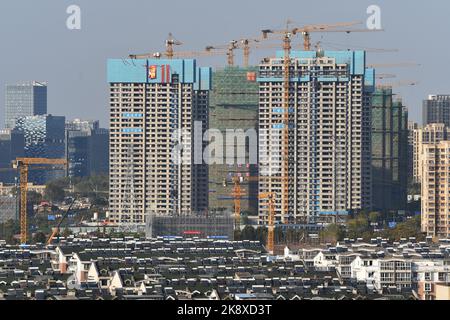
(233, 105)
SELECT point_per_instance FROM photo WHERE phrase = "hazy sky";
(36, 44)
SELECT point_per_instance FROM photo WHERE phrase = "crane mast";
(23, 165)
(285, 145)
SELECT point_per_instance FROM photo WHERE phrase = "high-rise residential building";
(12, 146)
(22, 100)
(389, 151)
(44, 138)
(234, 105)
(435, 190)
(430, 134)
(436, 109)
(329, 163)
(87, 148)
(153, 104)
(411, 127)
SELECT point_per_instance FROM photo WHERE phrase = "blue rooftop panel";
(155, 71)
(356, 59)
(127, 71)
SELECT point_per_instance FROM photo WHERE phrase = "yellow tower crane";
(23, 165)
(237, 195)
(233, 45)
(271, 220)
(287, 35)
(179, 54)
(170, 43)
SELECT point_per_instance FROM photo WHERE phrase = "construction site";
(237, 98)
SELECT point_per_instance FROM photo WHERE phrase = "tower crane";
(234, 44)
(170, 43)
(271, 221)
(401, 83)
(306, 31)
(287, 35)
(169, 54)
(349, 47)
(23, 165)
(246, 45)
(55, 231)
(180, 54)
(394, 65)
(237, 195)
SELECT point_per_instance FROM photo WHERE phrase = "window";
(427, 287)
(427, 276)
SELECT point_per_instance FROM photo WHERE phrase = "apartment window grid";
(319, 116)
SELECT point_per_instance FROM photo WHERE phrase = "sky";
(37, 45)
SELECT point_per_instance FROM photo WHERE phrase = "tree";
(244, 219)
(374, 216)
(34, 197)
(332, 233)
(66, 233)
(358, 226)
(261, 234)
(409, 228)
(54, 191)
(248, 233)
(40, 237)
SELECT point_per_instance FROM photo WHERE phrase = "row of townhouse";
(426, 274)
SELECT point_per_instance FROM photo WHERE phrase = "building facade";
(427, 135)
(411, 127)
(436, 109)
(44, 138)
(234, 105)
(156, 107)
(12, 146)
(389, 151)
(329, 135)
(87, 148)
(435, 190)
(22, 100)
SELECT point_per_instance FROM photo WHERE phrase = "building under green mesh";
(389, 151)
(233, 105)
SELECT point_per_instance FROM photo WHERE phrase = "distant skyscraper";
(22, 100)
(44, 138)
(436, 110)
(435, 190)
(329, 134)
(389, 151)
(151, 101)
(12, 146)
(87, 148)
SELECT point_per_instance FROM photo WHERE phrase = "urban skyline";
(87, 71)
(279, 163)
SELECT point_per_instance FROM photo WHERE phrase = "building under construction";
(215, 225)
(233, 105)
(389, 151)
